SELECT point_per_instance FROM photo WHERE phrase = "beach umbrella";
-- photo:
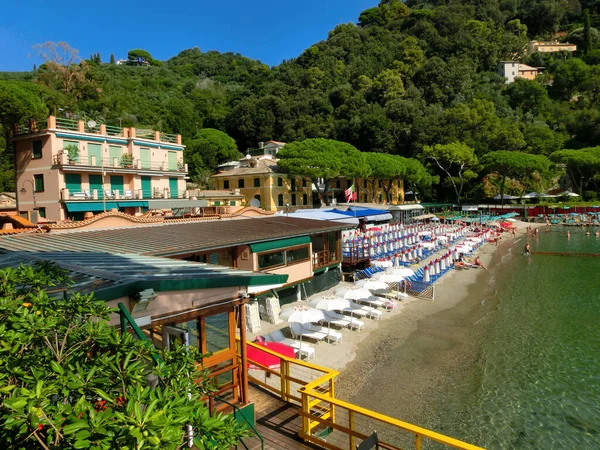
(403, 271)
(420, 251)
(301, 314)
(329, 303)
(351, 293)
(388, 277)
(372, 285)
(426, 278)
(396, 260)
(442, 264)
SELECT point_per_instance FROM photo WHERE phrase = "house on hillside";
(511, 70)
(551, 47)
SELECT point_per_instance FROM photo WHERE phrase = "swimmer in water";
(597, 233)
(568, 235)
(527, 249)
(587, 233)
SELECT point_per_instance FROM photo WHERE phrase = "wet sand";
(408, 362)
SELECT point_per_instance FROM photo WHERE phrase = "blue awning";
(133, 204)
(90, 206)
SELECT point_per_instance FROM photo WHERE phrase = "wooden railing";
(324, 258)
(332, 423)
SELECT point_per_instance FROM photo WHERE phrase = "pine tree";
(112, 58)
(34, 67)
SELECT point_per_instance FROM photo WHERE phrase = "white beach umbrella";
(329, 303)
(402, 271)
(372, 285)
(388, 277)
(442, 264)
(301, 314)
(426, 277)
(353, 293)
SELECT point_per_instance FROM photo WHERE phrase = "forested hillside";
(405, 77)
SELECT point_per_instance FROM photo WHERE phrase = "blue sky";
(268, 30)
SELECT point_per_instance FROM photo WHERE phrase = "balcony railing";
(62, 123)
(324, 258)
(122, 194)
(62, 159)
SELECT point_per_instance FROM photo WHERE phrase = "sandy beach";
(432, 341)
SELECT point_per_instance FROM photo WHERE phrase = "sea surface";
(536, 382)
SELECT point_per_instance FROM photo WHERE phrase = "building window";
(380, 198)
(273, 259)
(365, 183)
(297, 255)
(338, 184)
(303, 182)
(365, 198)
(226, 184)
(293, 184)
(241, 183)
(39, 183)
(280, 199)
(279, 181)
(217, 203)
(257, 182)
(380, 184)
(37, 149)
(293, 199)
(232, 203)
(42, 212)
(304, 199)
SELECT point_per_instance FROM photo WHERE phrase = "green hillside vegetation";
(407, 77)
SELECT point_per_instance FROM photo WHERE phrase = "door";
(96, 183)
(146, 187)
(95, 150)
(73, 182)
(145, 158)
(172, 161)
(174, 335)
(116, 184)
(173, 185)
(114, 152)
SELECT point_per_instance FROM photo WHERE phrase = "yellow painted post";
(418, 442)
(305, 410)
(332, 395)
(287, 381)
(351, 428)
(283, 378)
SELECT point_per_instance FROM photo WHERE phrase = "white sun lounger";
(335, 337)
(299, 331)
(340, 320)
(301, 348)
(376, 302)
(369, 311)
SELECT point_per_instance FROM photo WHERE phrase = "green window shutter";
(37, 149)
(96, 151)
(145, 158)
(39, 183)
(96, 183)
(146, 187)
(114, 151)
(116, 183)
(73, 182)
(172, 161)
(173, 187)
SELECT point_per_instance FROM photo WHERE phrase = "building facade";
(551, 47)
(65, 168)
(511, 70)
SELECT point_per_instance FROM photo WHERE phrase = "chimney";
(261, 145)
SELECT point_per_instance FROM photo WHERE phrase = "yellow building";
(551, 47)
(263, 185)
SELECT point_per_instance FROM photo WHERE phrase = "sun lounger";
(377, 302)
(301, 348)
(370, 312)
(335, 337)
(340, 320)
(299, 331)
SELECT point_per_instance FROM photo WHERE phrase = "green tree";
(528, 95)
(139, 57)
(208, 149)
(323, 160)
(582, 166)
(516, 165)
(455, 160)
(112, 58)
(69, 380)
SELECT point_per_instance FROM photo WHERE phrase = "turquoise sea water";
(536, 384)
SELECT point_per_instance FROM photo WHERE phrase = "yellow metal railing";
(333, 423)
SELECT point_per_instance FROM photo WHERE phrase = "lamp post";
(23, 191)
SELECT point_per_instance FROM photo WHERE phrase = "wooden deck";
(276, 421)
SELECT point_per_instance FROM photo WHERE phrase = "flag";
(350, 194)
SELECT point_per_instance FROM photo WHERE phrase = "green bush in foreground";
(69, 380)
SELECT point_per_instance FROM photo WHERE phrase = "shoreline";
(431, 342)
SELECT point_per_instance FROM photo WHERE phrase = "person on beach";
(513, 232)
(527, 249)
(537, 231)
(597, 233)
(478, 262)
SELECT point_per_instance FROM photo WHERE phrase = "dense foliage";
(69, 380)
(407, 76)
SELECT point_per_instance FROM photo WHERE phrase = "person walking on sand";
(527, 249)
(513, 231)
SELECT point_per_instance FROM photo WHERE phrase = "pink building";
(68, 169)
